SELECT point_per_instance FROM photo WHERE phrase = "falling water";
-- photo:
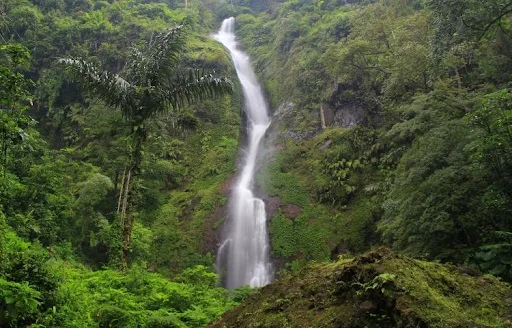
(245, 249)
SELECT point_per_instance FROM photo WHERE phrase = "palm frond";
(168, 46)
(195, 86)
(137, 66)
(111, 88)
(163, 54)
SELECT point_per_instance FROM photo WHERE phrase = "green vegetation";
(146, 92)
(64, 185)
(392, 126)
(64, 153)
(44, 290)
(377, 289)
(394, 116)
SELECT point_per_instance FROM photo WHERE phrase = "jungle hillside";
(387, 175)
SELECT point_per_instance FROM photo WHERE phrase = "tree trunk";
(322, 117)
(121, 191)
(457, 76)
(127, 218)
(126, 195)
(127, 238)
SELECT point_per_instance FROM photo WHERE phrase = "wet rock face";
(345, 109)
(283, 110)
(350, 115)
(291, 211)
(213, 236)
(272, 205)
(335, 113)
(345, 115)
(282, 124)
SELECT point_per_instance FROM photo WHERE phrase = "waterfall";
(245, 249)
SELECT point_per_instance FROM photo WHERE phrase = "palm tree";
(147, 87)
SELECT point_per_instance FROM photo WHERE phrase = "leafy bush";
(168, 321)
(18, 303)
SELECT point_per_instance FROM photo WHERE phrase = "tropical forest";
(255, 163)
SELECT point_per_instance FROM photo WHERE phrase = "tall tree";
(149, 85)
(14, 124)
(459, 21)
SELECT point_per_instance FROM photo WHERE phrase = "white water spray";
(246, 247)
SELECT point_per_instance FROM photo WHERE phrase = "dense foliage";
(64, 152)
(394, 118)
(392, 125)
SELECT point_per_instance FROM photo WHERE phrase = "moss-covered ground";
(377, 289)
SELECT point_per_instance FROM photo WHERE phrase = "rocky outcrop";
(345, 115)
(378, 289)
(281, 124)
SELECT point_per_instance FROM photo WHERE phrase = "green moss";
(378, 289)
(305, 237)
(207, 51)
(217, 224)
(441, 295)
(277, 181)
(282, 236)
(356, 225)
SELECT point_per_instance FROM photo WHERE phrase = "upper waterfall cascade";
(245, 251)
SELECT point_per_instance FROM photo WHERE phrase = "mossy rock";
(377, 289)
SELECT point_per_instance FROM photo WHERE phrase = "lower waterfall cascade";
(244, 254)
